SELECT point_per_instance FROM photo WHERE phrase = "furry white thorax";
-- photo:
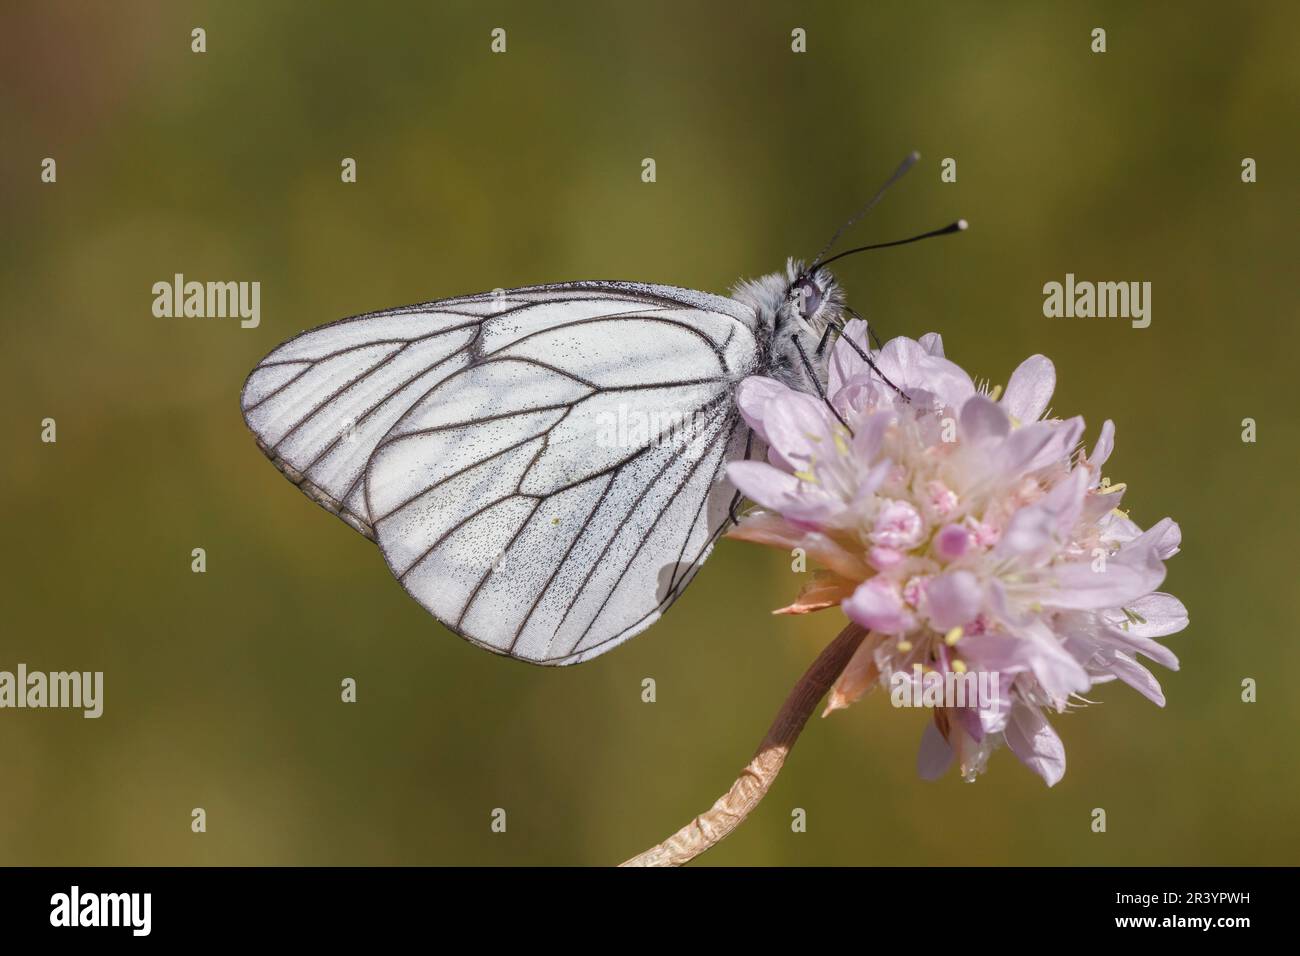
(782, 316)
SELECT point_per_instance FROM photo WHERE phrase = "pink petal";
(952, 542)
(1053, 665)
(1138, 677)
(1032, 739)
(953, 599)
(776, 489)
(846, 363)
(1027, 443)
(935, 756)
(982, 420)
(968, 719)
(932, 342)
(798, 428)
(1117, 638)
(877, 607)
(768, 485)
(1030, 389)
(1030, 531)
(1098, 506)
(910, 366)
(869, 435)
(994, 651)
(1170, 538)
(1133, 572)
(1038, 528)
(1105, 444)
(752, 397)
(1161, 614)
(993, 718)
(1040, 445)
(1077, 585)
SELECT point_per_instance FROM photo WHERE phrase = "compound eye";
(809, 296)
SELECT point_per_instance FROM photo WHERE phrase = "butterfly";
(544, 468)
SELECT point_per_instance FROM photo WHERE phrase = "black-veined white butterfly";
(543, 469)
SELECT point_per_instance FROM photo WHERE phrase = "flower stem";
(730, 810)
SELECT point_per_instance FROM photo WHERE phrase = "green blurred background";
(479, 170)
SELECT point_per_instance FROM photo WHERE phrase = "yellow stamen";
(1133, 616)
(953, 636)
(807, 476)
(959, 666)
(1108, 489)
(996, 393)
(904, 646)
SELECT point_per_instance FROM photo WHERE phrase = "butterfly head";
(801, 311)
(814, 301)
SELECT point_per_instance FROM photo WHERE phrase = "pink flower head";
(968, 535)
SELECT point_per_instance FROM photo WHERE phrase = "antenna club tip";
(914, 155)
(962, 225)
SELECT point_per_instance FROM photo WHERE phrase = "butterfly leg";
(871, 329)
(812, 375)
(867, 358)
(738, 497)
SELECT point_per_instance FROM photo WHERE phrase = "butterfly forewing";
(543, 469)
(321, 402)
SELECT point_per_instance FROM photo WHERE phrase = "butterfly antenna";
(903, 167)
(959, 226)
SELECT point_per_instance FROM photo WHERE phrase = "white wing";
(544, 469)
